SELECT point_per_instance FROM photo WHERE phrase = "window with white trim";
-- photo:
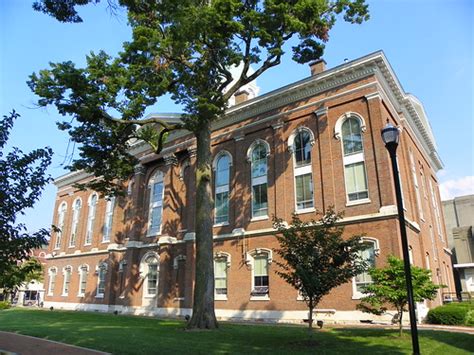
(410, 254)
(155, 212)
(83, 271)
(259, 167)
(149, 271)
(91, 218)
(434, 201)
(433, 244)
(76, 211)
(354, 163)
(101, 278)
(259, 260)
(67, 271)
(52, 280)
(109, 213)
(364, 279)
(221, 264)
(61, 216)
(415, 184)
(302, 142)
(221, 193)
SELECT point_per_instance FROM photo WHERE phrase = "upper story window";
(91, 218)
(109, 213)
(300, 144)
(76, 211)
(259, 260)
(221, 264)
(349, 128)
(415, 184)
(364, 279)
(83, 271)
(101, 278)
(155, 211)
(437, 213)
(67, 271)
(258, 157)
(222, 165)
(52, 280)
(61, 216)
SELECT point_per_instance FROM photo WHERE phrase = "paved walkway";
(11, 343)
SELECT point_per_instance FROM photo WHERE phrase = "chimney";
(318, 66)
(241, 96)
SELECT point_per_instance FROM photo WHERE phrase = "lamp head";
(390, 136)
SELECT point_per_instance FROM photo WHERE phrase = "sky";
(429, 44)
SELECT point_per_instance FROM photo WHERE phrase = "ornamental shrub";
(453, 314)
(4, 305)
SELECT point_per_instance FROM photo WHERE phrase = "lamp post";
(391, 136)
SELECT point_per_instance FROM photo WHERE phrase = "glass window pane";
(261, 265)
(222, 171)
(260, 200)
(259, 161)
(356, 181)
(222, 207)
(351, 136)
(157, 195)
(304, 191)
(302, 147)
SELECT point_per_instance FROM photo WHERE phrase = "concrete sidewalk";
(13, 343)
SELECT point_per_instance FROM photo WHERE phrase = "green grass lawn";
(140, 335)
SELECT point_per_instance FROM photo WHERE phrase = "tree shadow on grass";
(460, 341)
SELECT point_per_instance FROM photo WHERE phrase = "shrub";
(4, 305)
(453, 314)
(470, 318)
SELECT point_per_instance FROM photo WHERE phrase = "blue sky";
(429, 43)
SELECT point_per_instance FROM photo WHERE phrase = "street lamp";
(391, 137)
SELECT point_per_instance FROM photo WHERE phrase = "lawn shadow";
(460, 341)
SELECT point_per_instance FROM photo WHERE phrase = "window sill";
(81, 295)
(221, 224)
(149, 296)
(87, 244)
(105, 241)
(99, 296)
(220, 297)
(71, 246)
(260, 298)
(178, 299)
(64, 295)
(259, 218)
(357, 296)
(153, 235)
(358, 202)
(305, 210)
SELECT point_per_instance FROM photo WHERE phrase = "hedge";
(452, 314)
(4, 305)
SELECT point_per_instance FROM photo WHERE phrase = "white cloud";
(457, 187)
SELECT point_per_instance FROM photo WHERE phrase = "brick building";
(306, 146)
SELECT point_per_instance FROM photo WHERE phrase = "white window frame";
(222, 256)
(250, 261)
(304, 169)
(354, 158)
(83, 271)
(76, 214)
(434, 201)
(108, 220)
(67, 274)
(261, 179)
(356, 295)
(62, 210)
(433, 244)
(92, 210)
(415, 184)
(101, 271)
(223, 188)
(52, 273)
(158, 177)
(144, 271)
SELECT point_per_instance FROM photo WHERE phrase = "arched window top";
(67, 268)
(373, 241)
(83, 267)
(223, 160)
(62, 207)
(354, 118)
(177, 259)
(157, 176)
(77, 203)
(259, 252)
(301, 135)
(259, 149)
(102, 266)
(93, 199)
(53, 270)
(221, 255)
(150, 258)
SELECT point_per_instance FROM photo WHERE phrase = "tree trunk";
(400, 326)
(310, 318)
(203, 304)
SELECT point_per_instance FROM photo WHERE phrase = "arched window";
(149, 270)
(83, 271)
(353, 157)
(67, 271)
(101, 278)
(52, 280)
(258, 154)
(61, 216)
(221, 264)
(109, 213)
(91, 218)
(259, 260)
(222, 165)
(300, 143)
(155, 211)
(76, 211)
(368, 255)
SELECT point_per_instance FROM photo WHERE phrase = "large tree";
(22, 180)
(316, 258)
(184, 48)
(389, 287)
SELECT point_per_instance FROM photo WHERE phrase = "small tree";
(23, 273)
(316, 257)
(22, 179)
(389, 287)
